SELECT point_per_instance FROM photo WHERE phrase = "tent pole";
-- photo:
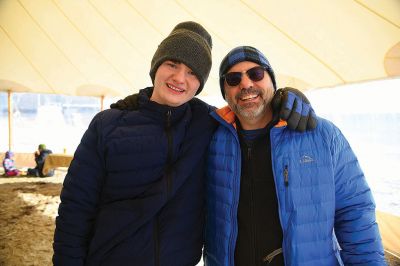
(9, 121)
(101, 102)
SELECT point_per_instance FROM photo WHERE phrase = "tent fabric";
(104, 48)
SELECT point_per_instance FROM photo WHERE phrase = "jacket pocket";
(286, 182)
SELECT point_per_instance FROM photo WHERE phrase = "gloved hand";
(128, 103)
(294, 107)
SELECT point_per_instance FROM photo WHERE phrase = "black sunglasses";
(254, 73)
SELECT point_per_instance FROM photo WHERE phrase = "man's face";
(174, 84)
(250, 100)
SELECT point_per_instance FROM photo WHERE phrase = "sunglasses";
(254, 73)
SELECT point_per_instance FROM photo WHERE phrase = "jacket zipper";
(286, 176)
(169, 185)
(286, 182)
(233, 233)
(276, 175)
(169, 154)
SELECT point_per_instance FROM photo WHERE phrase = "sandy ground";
(28, 207)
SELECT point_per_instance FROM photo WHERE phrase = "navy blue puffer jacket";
(134, 193)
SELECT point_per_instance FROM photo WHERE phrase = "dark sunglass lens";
(233, 78)
(256, 73)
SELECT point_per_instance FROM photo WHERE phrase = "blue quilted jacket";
(134, 193)
(326, 208)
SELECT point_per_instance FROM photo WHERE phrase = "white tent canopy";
(104, 48)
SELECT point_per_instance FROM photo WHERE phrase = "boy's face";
(174, 84)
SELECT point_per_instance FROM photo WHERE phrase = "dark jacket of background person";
(323, 198)
(40, 158)
(139, 175)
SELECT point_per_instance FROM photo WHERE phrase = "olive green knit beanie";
(188, 43)
(42, 146)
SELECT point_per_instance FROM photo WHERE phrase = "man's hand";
(294, 107)
(129, 103)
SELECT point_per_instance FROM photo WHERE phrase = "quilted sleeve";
(79, 199)
(355, 223)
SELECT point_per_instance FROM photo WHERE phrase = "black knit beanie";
(188, 43)
(240, 54)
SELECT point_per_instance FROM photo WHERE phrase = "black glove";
(130, 103)
(294, 107)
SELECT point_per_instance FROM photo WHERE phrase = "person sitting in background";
(40, 157)
(9, 165)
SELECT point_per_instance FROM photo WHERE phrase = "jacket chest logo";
(305, 159)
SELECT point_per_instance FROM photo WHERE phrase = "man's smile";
(248, 97)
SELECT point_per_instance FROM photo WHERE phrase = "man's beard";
(247, 110)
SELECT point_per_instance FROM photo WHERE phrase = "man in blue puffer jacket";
(276, 196)
(134, 193)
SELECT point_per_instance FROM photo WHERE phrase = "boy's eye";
(192, 73)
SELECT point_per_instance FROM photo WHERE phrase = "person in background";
(134, 192)
(276, 196)
(9, 165)
(40, 157)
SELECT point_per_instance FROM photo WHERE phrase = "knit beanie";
(42, 147)
(9, 154)
(240, 54)
(188, 43)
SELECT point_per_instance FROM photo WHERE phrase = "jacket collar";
(228, 116)
(159, 111)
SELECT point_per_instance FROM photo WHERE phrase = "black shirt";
(259, 228)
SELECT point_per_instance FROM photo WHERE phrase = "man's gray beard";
(245, 112)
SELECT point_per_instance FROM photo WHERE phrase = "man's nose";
(246, 82)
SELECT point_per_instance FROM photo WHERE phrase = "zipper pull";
(286, 175)
(272, 255)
